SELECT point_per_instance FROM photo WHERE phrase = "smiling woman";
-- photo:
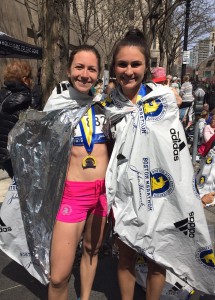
(130, 70)
(149, 176)
(83, 70)
(130, 64)
(83, 205)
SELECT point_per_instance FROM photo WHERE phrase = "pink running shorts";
(81, 199)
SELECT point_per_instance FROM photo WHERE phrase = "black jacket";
(14, 98)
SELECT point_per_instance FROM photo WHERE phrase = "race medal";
(89, 162)
(88, 133)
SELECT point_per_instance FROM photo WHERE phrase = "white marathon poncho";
(152, 190)
(205, 177)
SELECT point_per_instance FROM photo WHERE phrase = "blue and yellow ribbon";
(88, 129)
(142, 93)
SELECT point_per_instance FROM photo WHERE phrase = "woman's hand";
(208, 198)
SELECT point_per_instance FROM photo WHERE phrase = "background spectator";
(98, 86)
(174, 84)
(168, 79)
(186, 94)
(208, 131)
(110, 87)
(159, 76)
(202, 122)
(15, 97)
(199, 94)
(206, 107)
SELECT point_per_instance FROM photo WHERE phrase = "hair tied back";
(135, 32)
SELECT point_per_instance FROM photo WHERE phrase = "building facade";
(203, 58)
(91, 22)
(212, 42)
(206, 69)
(202, 50)
(15, 21)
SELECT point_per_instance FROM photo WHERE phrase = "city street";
(17, 284)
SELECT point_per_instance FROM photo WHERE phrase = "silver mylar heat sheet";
(40, 146)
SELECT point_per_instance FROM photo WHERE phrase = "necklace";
(88, 126)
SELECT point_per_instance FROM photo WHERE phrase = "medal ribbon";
(88, 132)
(142, 93)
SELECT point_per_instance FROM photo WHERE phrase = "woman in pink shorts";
(83, 208)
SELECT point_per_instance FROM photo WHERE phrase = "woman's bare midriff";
(75, 170)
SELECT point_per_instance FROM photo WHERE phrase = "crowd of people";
(205, 121)
(84, 207)
(196, 104)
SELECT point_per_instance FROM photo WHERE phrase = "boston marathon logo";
(202, 181)
(209, 160)
(162, 183)
(155, 109)
(187, 225)
(4, 227)
(107, 101)
(158, 183)
(151, 110)
(154, 183)
(141, 260)
(195, 188)
(205, 256)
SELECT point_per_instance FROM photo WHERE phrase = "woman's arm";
(207, 133)
(201, 128)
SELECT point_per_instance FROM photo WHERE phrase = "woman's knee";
(127, 256)
(58, 281)
(90, 249)
(155, 269)
(127, 260)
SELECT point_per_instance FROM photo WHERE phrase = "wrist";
(203, 202)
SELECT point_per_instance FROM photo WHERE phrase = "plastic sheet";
(151, 187)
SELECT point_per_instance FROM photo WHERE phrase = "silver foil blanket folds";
(40, 146)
